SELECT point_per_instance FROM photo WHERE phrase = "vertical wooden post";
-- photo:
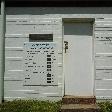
(2, 50)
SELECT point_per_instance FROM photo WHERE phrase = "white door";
(78, 59)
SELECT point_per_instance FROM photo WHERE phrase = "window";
(40, 37)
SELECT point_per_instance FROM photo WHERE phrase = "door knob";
(66, 46)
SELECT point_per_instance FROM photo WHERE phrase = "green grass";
(30, 106)
(105, 106)
(42, 106)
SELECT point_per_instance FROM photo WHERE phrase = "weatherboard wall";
(20, 22)
(16, 79)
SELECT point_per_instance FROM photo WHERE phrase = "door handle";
(66, 46)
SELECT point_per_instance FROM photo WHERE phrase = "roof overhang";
(82, 3)
(59, 0)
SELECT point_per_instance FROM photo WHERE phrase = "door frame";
(70, 20)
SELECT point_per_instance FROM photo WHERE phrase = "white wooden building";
(55, 51)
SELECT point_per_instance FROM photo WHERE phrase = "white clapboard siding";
(17, 33)
(103, 74)
(20, 22)
(28, 92)
(103, 58)
(103, 84)
(104, 94)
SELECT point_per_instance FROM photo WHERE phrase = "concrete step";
(80, 108)
(78, 100)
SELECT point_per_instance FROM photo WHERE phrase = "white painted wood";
(78, 59)
(15, 74)
(104, 84)
(24, 20)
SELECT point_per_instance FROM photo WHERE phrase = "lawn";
(30, 106)
(105, 106)
(41, 106)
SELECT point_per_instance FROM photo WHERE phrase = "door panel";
(78, 62)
